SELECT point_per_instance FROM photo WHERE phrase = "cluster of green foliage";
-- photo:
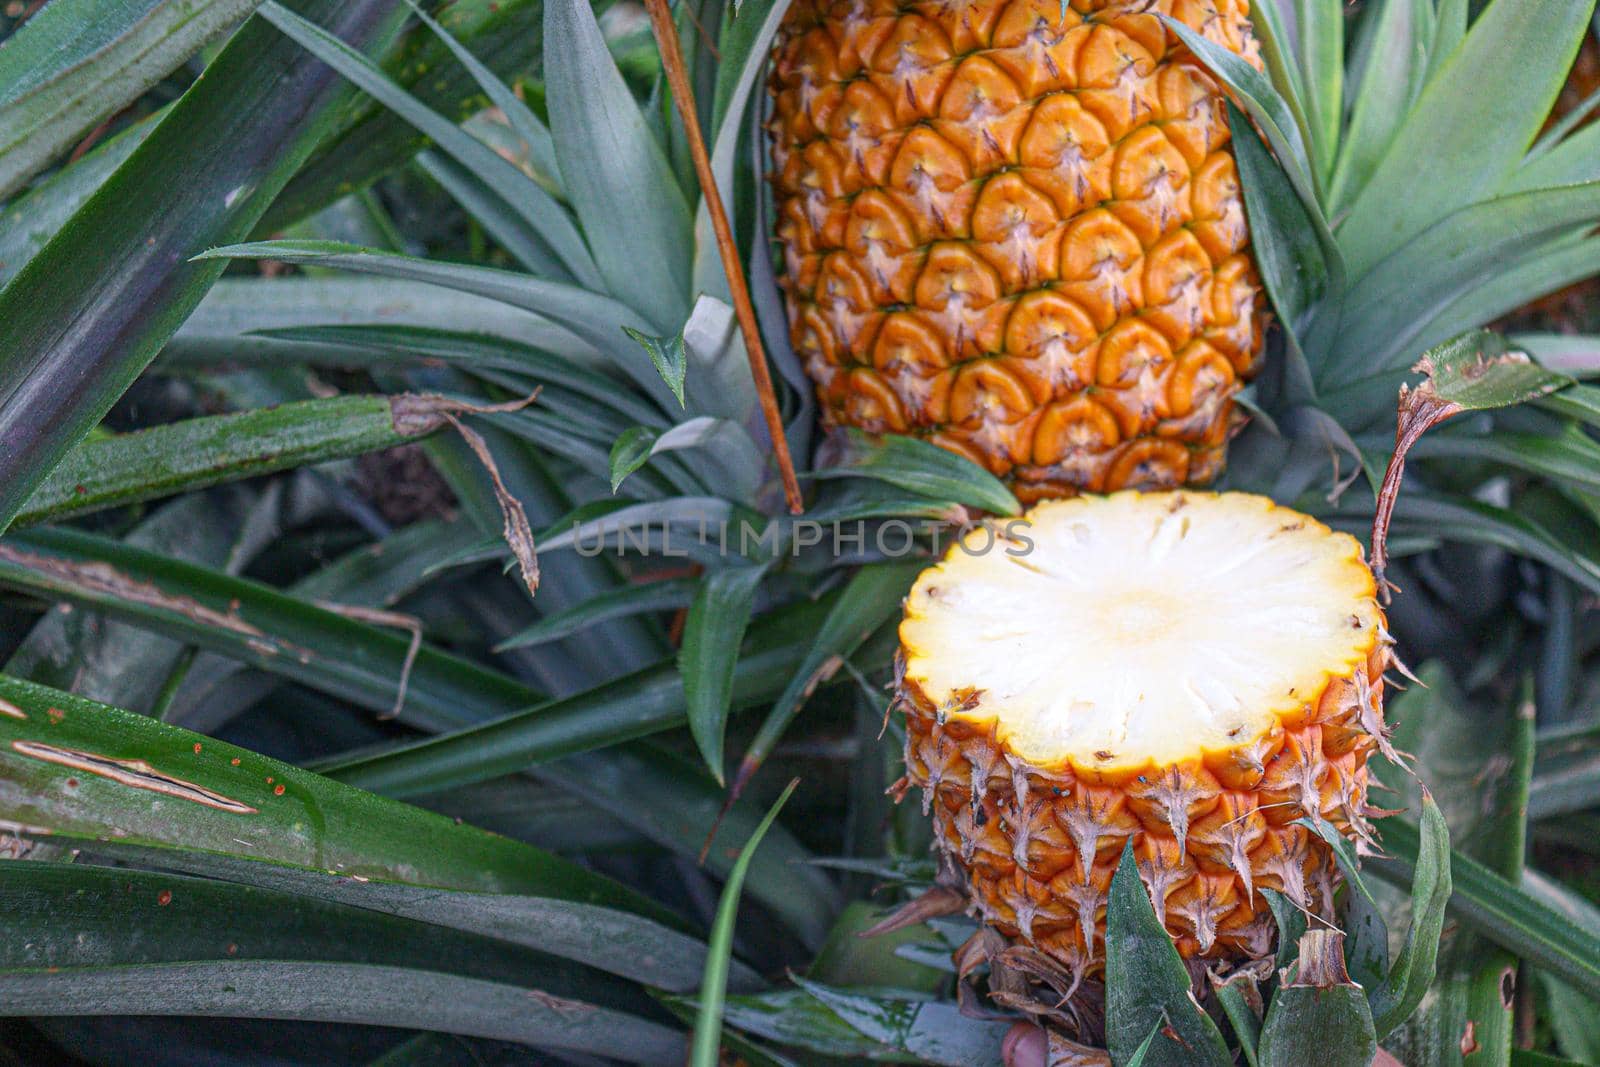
(301, 760)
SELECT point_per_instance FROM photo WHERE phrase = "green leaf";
(712, 636)
(872, 597)
(1363, 918)
(372, 141)
(596, 319)
(1392, 76)
(1500, 912)
(30, 220)
(1438, 265)
(535, 135)
(668, 356)
(1458, 142)
(1413, 971)
(932, 1032)
(142, 789)
(714, 986)
(255, 624)
(630, 452)
(927, 469)
(1321, 1018)
(184, 456)
(86, 927)
(97, 303)
(1477, 372)
(77, 63)
(1147, 985)
(1242, 1017)
(1262, 102)
(564, 255)
(615, 170)
(665, 595)
(636, 705)
(1291, 921)
(1320, 31)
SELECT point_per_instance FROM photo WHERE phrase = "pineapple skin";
(1038, 845)
(1018, 234)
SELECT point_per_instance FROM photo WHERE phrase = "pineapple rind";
(1016, 230)
(1039, 843)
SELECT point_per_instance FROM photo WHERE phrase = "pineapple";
(1014, 227)
(1190, 671)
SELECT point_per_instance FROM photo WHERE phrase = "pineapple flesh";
(1190, 671)
(1015, 228)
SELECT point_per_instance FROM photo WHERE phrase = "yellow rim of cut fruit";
(1121, 633)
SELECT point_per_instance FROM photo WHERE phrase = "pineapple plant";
(1015, 230)
(288, 771)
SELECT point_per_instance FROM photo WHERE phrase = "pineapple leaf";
(1397, 996)
(1320, 26)
(1291, 922)
(1547, 268)
(668, 356)
(1242, 1018)
(666, 595)
(1147, 985)
(1400, 34)
(183, 456)
(508, 226)
(706, 1048)
(920, 467)
(595, 318)
(535, 135)
(233, 325)
(870, 599)
(96, 304)
(615, 170)
(1289, 257)
(1575, 355)
(411, 861)
(371, 141)
(1458, 142)
(1364, 925)
(1320, 1017)
(255, 624)
(712, 634)
(563, 256)
(1263, 103)
(335, 961)
(646, 702)
(38, 214)
(67, 69)
(1439, 265)
(933, 1032)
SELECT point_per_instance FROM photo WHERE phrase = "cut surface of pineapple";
(1118, 633)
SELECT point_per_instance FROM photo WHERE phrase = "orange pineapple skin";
(1018, 234)
(1039, 845)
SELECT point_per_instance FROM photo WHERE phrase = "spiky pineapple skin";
(1038, 845)
(1018, 233)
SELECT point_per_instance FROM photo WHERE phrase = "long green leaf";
(195, 453)
(714, 986)
(564, 255)
(1458, 142)
(712, 636)
(616, 170)
(70, 927)
(89, 312)
(79, 61)
(1147, 987)
(1499, 911)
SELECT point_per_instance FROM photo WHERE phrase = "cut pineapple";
(1192, 671)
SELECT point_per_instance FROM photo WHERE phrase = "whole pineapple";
(1015, 228)
(1190, 671)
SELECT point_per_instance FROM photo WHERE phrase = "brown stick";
(666, 33)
